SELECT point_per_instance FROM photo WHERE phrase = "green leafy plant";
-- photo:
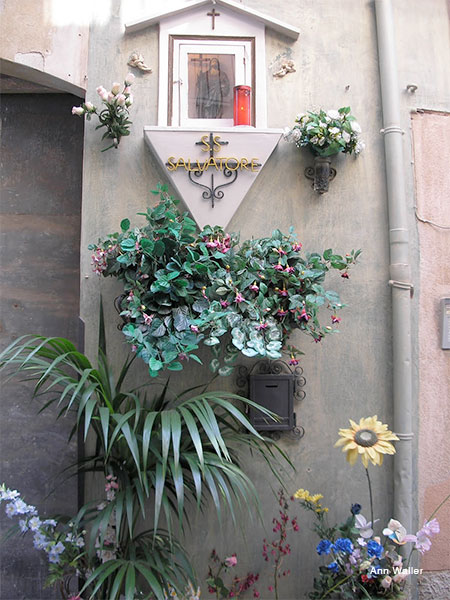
(326, 133)
(182, 288)
(114, 115)
(174, 452)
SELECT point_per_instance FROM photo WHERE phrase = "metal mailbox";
(276, 393)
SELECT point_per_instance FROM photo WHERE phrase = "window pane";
(211, 80)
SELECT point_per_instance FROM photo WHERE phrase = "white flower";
(121, 99)
(365, 527)
(89, 106)
(333, 114)
(395, 531)
(104, 96)
(346, 137)
(300, 116)
(23, 525)
(334, 130)
(360, 145)
(129, 79)
(127, 91)
(115, 88)
(314, 140)
(100, 90)
(8, 494)
(129, 100)
(111, 97)
(78, 110)
(386, 582)
(49, 523)
(355, 126)
(34, 523)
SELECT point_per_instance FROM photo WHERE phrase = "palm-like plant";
(165, 451)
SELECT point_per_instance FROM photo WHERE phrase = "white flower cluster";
(326, 133)
(45, 536)
(111, 99)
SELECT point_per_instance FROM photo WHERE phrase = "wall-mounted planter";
(321, 174)
(273, 385)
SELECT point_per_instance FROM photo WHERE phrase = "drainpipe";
(400, 272)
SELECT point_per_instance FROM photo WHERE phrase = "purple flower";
(239, 298)
(296, 247)
(194, 328)
(324, 547)
(224, 303)
(289, 270)
(262, 326)
(281, 312)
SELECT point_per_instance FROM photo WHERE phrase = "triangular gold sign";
(212, 170)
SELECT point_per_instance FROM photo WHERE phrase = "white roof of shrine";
(274, 24)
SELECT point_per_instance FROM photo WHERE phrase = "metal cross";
(213, 14)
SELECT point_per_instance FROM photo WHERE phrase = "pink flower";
(224, 303)
(430, 528)
(129, 79)
(239, 298)
(304, 315)
(296, 247)
(289, 270)
(253, 287)
(345, 275)
(318, 339)
(386, 582)
(194, 328)
(100, 90)
(115, 88)
(283, 293)
(281, 312)
(335, 319)
(134, 348)
(121, 99)
(280, 251)
(278, 267)
(147, 318)
(294, 361)
(231, 561)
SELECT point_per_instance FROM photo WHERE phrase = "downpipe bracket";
(403, 285)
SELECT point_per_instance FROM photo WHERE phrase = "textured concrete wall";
(431, 159)
(349, 375)
(40, 235)
(49, 36)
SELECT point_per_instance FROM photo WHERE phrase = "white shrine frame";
(239, 50)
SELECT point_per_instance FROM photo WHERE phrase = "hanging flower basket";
(325, 134)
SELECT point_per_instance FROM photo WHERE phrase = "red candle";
(242, 105)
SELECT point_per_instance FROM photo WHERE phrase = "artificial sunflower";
(370, 440)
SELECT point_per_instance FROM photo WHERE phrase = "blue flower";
(356, 509)
(324, 547)
(374, 549)
(343, 545)
(333, 567)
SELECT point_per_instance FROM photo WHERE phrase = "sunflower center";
(366, 438)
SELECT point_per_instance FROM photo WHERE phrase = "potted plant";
(325, 133)
(182, 288)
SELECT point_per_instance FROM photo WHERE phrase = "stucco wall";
(431, 158)
(49, 36)
(349, 375)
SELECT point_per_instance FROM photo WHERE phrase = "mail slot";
(276, 393)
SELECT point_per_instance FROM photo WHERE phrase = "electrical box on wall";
(445, 323)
